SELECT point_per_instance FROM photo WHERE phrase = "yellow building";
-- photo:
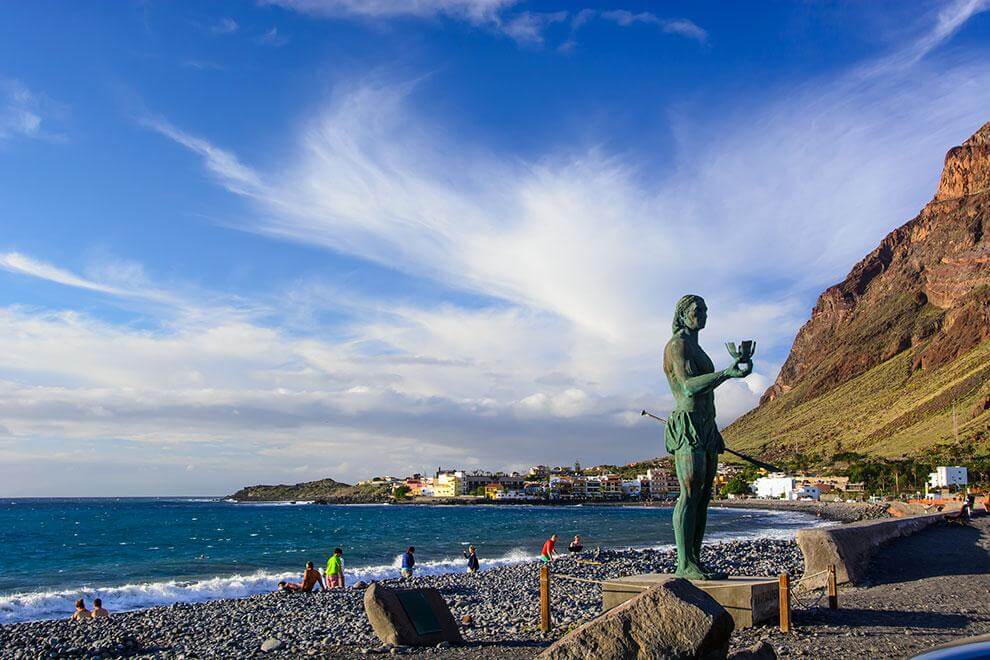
(447, 484)
(492, 490)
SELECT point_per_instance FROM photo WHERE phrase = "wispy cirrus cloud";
(224, 27)
(680, 26)
(113, 277)
(527, 28)
(474, 11)
(236, 177)
(22, 111)
(272, 37)
(946, 19)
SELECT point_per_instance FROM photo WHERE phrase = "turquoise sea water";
(142, 552)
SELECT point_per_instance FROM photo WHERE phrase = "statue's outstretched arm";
(693, 385)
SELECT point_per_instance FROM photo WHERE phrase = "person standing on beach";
(98, 611)
(335, 569)
(408, 562)
(472, 558)
(81, 611)
(548, 554)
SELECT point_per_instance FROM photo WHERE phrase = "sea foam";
(33, 606)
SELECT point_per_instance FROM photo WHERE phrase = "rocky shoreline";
(834, 511)
(502, 604)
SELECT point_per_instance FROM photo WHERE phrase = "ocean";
(141, 552)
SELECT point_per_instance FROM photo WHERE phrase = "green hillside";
(888, 411)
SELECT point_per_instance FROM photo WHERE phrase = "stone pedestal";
(752, 601)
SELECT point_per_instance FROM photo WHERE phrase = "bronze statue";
(691, 435)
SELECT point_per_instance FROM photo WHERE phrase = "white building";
(593, 488)
(631, 488)
(658, 484)
(806, 492)
(946, 476)
(514, 495)
(781, 487)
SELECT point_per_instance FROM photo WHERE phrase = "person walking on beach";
(472, 558)
(81, 611)
(335, 569)
(98, 611)
(548, 554)
(408, 562)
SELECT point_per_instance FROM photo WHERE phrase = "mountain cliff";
(896, 358)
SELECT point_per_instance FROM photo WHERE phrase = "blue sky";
(277, 241)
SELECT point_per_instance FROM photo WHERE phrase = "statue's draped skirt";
(692, 431)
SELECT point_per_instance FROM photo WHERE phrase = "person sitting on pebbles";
(81, 612)
(311, 578)
(98, 611)
(575, 545)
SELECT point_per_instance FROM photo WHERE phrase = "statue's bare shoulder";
(675, 347)
(673, 353)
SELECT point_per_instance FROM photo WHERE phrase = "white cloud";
(20, 111)
(273, 38)
(237, 177)
(680, 26)
(951, 17)
(526, 28)
(115, 278)
(225, 26)
(474, 11)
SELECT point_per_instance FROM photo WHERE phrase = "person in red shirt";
(548, 554)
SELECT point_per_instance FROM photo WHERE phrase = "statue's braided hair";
(681, 308)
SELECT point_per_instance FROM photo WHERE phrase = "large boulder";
(672, 620)
(410, 617)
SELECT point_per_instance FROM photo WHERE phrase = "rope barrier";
(804, 605)
(808, 577)
(575, 578)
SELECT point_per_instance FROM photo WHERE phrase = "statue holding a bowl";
(691, 435)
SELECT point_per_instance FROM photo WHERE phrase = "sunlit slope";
(888, 411)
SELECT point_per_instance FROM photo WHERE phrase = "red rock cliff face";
(925, 288)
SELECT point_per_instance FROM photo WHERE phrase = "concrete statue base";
(752, 601)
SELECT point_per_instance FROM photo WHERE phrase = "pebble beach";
(501, 603)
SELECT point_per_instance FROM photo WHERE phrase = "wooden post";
(833, 589)
(785, 602)
(545, 598)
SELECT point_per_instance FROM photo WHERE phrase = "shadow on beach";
(869, 618)
(940, 550)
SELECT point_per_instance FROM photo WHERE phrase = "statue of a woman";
(691, 434)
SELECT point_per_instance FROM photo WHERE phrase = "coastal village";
(543, 483)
